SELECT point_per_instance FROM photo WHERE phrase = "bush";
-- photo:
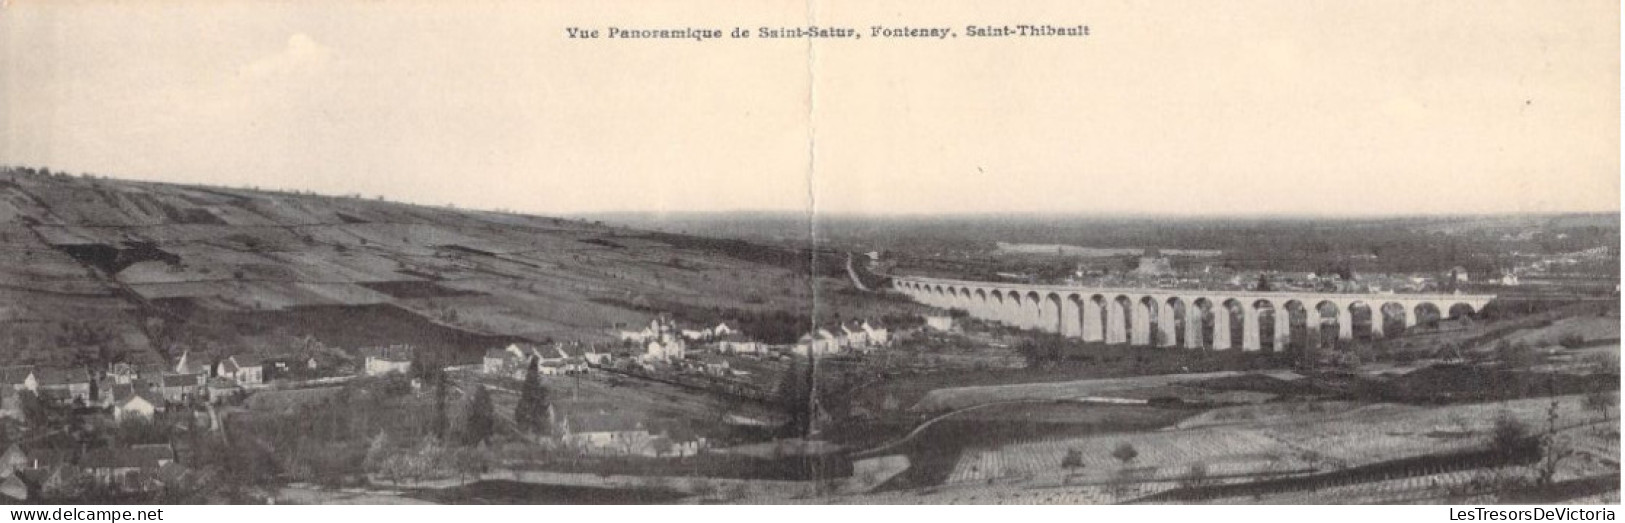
(1073, 459)
(1509, 436)
(1125, 453)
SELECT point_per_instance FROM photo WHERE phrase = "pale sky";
(1170, 107)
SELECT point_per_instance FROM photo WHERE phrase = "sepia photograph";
(1153, 253)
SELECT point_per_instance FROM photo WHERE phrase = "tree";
(1553, 449)
(531, 412)
(378, 452)
(1125, 453)
(1600, 401)
(1509, 436)
(481, 418)
(1196, 476)
(440, 421)
(791, 396)
(1073, 459)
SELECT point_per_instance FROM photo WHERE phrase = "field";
(1276, 443)
(941, 400)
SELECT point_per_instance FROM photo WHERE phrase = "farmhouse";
(13, 460)
(122, 373)
(14, 487)
(120, 467)
(20, 377)
(385, 360)
(714, 365)
(658, 327)
(613, 433)
(506, 361)
(135, 401)
(939, 322)
(722, 329)
(67, 385)
(180, 388)
(603, 433)
(819, 342)
(11, 404)
(243, 368)
(735, 343)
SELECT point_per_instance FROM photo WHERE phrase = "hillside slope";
(94, 270)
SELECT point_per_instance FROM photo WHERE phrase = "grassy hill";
(93, 269)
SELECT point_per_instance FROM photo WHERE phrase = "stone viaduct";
(1190, 318)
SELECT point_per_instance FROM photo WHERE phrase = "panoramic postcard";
(813, 252)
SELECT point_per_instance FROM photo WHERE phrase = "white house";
(132, 401)
(670, 348)
(939, 322)
(385, 360)
(659, 327)
(505, 360)
(737, 344)
(853, 336)
(819, 342)
(20, 377)
(244, 369)
(878, 336)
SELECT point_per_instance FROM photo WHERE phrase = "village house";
(853, 336)
(288, 366)
(661, 325)
(14, 460)
(131, 400)
(715, 365)
(820, 342)
(122, 467)
(101, 391)
(65, 385)
(151, 374)
(735, 343)
(603, 432)
(243, 368)
(25, 472)
(665, 350)
(592, 357)
(60, 477)
(181, 388)
(939, 322)
(122, 373)
(722, 329)
(20, 377)
(385, 360)
(15, 487)
(878, 336)
(221, 390)
(11, 404)
(507, 361)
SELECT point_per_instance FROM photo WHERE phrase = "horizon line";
(1239, 215)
